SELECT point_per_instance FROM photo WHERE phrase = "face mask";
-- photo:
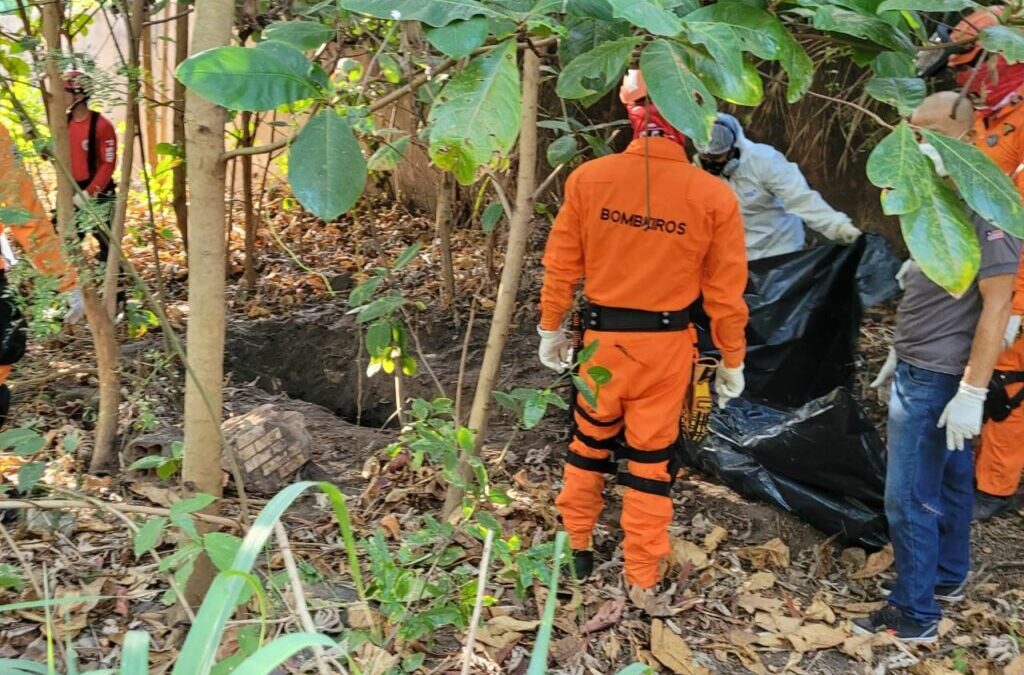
(724, 167)
(929, 151)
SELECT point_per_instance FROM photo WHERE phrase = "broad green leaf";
(761, 34)
(680, 96)
(505, 401)
(897, 165)
(459, 38)
(597, 71)
(985, 188)
(942, 239)
(600, 375)
(10, 577)
(562, 150)
(533, 410)
(196, 502)
(434, 13)
(1005, 40)
(304, 35)
(148, 462)
(148, 536)
(406, 256)
(586, 33)
(893, 64)
(491, 215)
(388, 155)
(584, 389)
(476, 116)
(222, 548)
(362, 293)
(15, 216)
(29, 475)
(593, 9)
(587, 352)
(464, 438)
(326, 168)
(902, 93)
(22, 441)
(384, 306)
(242, 78)
(651, 15)
(742, 87)
(866, 27)
(378, 338)
(925, 5)
(135, 653)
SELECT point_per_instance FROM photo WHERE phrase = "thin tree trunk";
(250, 214)
(204, 123)
(150, 95)
(444, 236)
(179, 171)
(518, 237)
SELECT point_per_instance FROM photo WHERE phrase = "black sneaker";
(891, 620)
(989, 506)
(943, 592)
(582, 564)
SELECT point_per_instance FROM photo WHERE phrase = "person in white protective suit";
(774, 196)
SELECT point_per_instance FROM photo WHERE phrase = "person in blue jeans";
(943, 355)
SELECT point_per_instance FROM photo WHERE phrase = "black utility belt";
(618, 319)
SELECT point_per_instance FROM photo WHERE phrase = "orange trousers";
(650, 374)
(1000, 457)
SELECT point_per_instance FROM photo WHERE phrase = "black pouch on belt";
(999, 404)
(12, 326)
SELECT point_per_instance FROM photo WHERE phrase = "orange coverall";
(36, 236)
(1000, 457)
(693, 243)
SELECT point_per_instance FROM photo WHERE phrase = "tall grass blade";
(135, 657)
(265, 659)
(539, 658)
(22, 667)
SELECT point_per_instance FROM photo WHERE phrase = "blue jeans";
(929, 493)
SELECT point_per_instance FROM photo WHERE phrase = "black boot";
(988, 506)
(5, 404)
(582, 564)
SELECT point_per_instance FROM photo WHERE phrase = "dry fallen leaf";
(862, 646)
(814, 636)
(508, 623)
(714, 538)
(773, 552)
(878, 562)
(759, 581)
(777, 623)
(390, 523)
(684, 552)
(819, 610)
(1015, 667)
(932, 668)
(651, 603)
(609, 614)
(752, 603)
(672, 651)
(375, 661)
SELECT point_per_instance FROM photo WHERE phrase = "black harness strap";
(662, 488)
(590, 464)
(578, 409)
(595, 443)
(646, 456)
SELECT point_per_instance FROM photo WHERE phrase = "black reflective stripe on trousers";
(578, 409)
(590, 464)
(597, 444)
(645, 456)
(662, 488)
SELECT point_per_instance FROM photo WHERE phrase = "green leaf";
(388, 155)
(897, 165)
(584, 389)
(406, 256)
(562, 150)
(902, 93)
(539, 657)
(1005, 40)
(362, 293)
(148, 462)
(222, 548)
(10, 577)
(476, 116)
(464, 437)
(651, 15)
(600, 375)
(636, 669)
(586, 34)
(384, 306)
(22, 441)
(597, 71)
(242, 78)
(148, 536)
(925, 5)
(304, 35)
(742, 87)
(491, 215)
(267, 659)
(326, 168)
(533, 410)
(15, 216)
(680, 96)
(378, 338)
(168, 468)
(135, 653)
(459, 38)
(30, 474)
(894, 64)
(864, 26)
(592, 9)
(435, 13)
(196, 502)
(985, 188)
(505, 401)
(942, 239)
(587, 352)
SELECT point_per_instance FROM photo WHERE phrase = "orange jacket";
(689, 243)
(36, 237)
(1000, 135)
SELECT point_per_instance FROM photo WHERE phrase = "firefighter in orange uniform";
(33, 231)
(647, 233)
(997, 90)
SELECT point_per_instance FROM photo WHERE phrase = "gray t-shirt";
(934, 330)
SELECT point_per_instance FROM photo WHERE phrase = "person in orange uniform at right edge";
(647, 233)
(996, 89)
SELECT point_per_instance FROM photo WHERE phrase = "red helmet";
(74, 81)
(968, 29)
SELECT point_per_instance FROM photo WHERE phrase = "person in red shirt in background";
(93, 155)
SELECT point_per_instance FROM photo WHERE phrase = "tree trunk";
(444, 236)
(518, 237)
(204, 122)
(179, 171)
(247, 204)
(149, 98)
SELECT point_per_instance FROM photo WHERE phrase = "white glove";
(79, 199)
(554, 349)
(883, 380)
(1012, 330)
(901, 276)
(76, 307)
(962, 416)
(847, 234)
(729, 383)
